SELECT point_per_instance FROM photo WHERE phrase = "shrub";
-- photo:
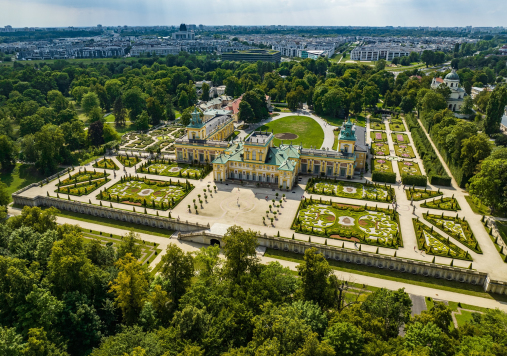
(417, 180)
(383, 177)
(440, 180)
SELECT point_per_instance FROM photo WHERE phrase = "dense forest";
(63, 295)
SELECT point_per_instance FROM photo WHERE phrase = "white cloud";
(41, 13)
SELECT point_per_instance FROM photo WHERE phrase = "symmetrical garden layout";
(160, 195)
(368, 225)
(456, 228)
(404, 151)
(345, 189)
(383, 165)
(106, 163)
(410, 168)
(380, 149)
(442, 204)
(82, 183)
(165, 167)
(128, 161)
(419, 194)
(161, 139)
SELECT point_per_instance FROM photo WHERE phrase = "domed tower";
(183, 28)
(452, 80)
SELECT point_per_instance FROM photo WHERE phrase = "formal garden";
(169, 168)
(400, 138)
(149, 193)
(382, 165)
(409, 168)
(376, 124)
(82, 176)
(404, 151)
(442, 204)
(435, 244)
(363, 224)
(397, 125)
(380, 149)
(106, 163)
(378, 136)
(455, 227)
(422, 194)
(128, 161)
(346, 189)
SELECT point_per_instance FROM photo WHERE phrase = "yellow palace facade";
(258, 161)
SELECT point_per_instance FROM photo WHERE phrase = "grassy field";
(307, 129)
(386, 274)
(116, 224)
(479, 208)
(20, 176)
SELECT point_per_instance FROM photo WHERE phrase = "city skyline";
(58, 13)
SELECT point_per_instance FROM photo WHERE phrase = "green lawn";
(477, 208)
(20, 176)
(307, 129)
(451, 286)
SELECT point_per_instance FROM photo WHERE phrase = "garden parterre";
(442, 203)
(351, 190)
(380, 149)
(409, 168)
(383, 165)
(404, 151)
(456, 228)
(128, 161)
(84, 176)
(419, 194)
(400, 138)
(168, 168)
(378, 136)
(106, 163)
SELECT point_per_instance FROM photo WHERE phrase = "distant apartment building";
(377, 52)
(253, 55)
(156, 50)
(184, 33)
(312, 54)
(477, 90)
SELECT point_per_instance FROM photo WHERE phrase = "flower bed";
(378, 136)
(155, 194)
(400, 138)
(442, 203)
(82, 177)
(380, 149)
(106, 163)
(368, 225)
(382, 165)
(435, 244)
(376, 124)
(397, 125)
(163, 167)
(345, 189)
(409, 168)
(419, 194)
(404, 151)
(80, 189)
(455, 227)
(128, 161)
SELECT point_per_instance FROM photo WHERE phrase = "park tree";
(130, 287)
(473, 150)
(169, 109)
(4, 196)
(345, 338)
(428, 336)
(78, 93)
(30, 124)
(183, 102)
(155, 110)
(130, 243)
(370, 95)
(109, 133)
(96, 133)
(143, 121)
(119, 112)
(74, 134)
(239, 250)
(57, 101)
(178, 269)
(205, 92)
(207, 261)
(433, 101)
(334, 102)
(134, 101)
(113, 89)
(49, 144)
(468, 106)
(428, 57)
(495, 109)
(246, 113)
(490, 183)
(7, 152)
(380, 65)
(89, 102)
(314, 272)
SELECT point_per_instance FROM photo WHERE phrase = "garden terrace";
(455, 227)
(404, 151)
(163, 167)
(419, 194)
(435, 244)
(128, 161)
(84, 188)
(400, 138)
(149, 250)
(80, 177)
(397, 125)
(378, 136)
(106, 163)
(368, 225)
(346, 189)
(409, 168)
(154, 194)
(380, 149)
(442, 203)
(382, 165)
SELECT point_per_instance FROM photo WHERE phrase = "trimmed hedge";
(383, 177)
(440, 180)
(419, 180)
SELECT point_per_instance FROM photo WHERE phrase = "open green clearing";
(404, 151)
(435, 244)
(419, 194)
(442, 203)
(400, 138)
(380, 149)
(167, 168)
(378, 136)
(456, 228)
(372, 226)
(350, 190)
(308, 131)
(382, 165)
(20, 176)
(128, 161)
(148, 193)
(410, 168)
(415, 279)
(106, 163)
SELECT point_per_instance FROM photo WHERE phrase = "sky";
(61, 13)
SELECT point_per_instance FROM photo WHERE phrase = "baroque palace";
(256, 159)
